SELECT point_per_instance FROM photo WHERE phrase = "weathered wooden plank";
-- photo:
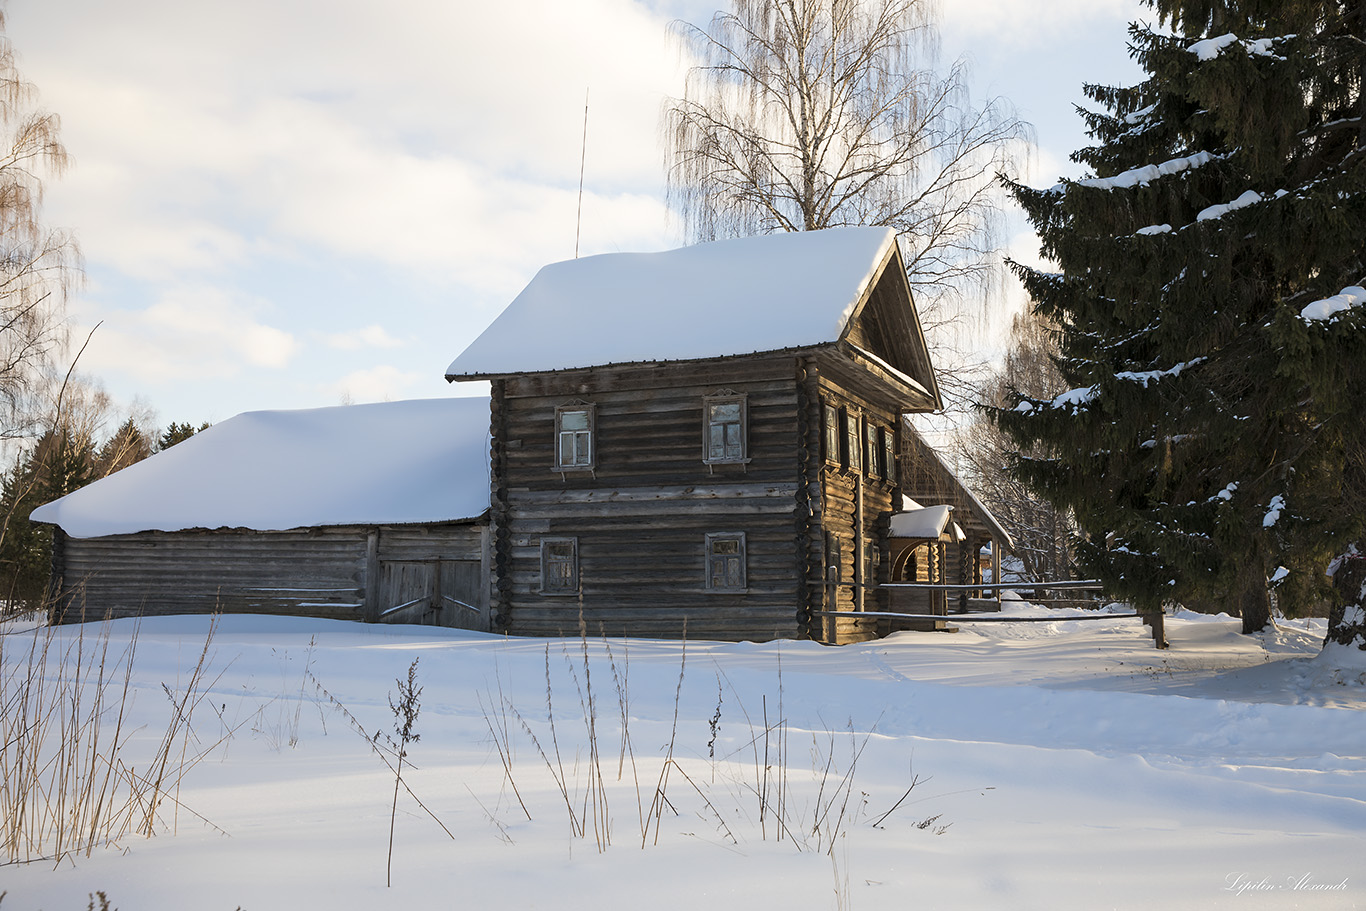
(651, 376)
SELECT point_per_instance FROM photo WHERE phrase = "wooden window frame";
(724, 399)
(889, 455)
(853, 440)
(872, 452)
(592, 432)
(743, 557)
(548, 586)
(830, 432)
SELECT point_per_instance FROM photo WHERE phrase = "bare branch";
(809, 114)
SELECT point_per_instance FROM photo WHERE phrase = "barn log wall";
(641, 516)
(317, 572)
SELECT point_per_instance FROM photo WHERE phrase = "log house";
(708, 439)
(709, 442)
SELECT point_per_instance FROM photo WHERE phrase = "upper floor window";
(574, 437)
(853, 441)
(873, 450)
(560, 566)
(832, 433)
(726, 562)
(889, 455)
(723, 428)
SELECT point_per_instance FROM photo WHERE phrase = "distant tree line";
(69, 454)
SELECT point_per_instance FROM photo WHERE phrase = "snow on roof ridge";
(716, 299)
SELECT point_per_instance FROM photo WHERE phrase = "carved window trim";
(853, 440)
(830, 432)
(872, 451)
(889, 454)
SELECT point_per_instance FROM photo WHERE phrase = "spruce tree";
(1207, 298)
(178, 433)
(61, 461)
(128, 445)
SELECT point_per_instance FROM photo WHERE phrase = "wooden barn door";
(407, 591)
(461, 582)
(436, 592)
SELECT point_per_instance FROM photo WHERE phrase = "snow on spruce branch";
(1071, 398)
(1145, 377)
(1209, 48)
(1074, 398)
(1138, 117)
(1250, 198)
(1273, 511)
(1329, 307)
(1141, 177)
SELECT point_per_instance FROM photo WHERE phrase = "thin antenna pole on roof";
(583, 157)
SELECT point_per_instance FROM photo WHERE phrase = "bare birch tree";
(808, 114)
(38, 266)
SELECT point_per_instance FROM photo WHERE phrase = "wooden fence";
(1151, 619)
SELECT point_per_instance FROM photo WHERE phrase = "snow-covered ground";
(1059, 765)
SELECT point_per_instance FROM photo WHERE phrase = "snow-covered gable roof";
(391, 463)
(731, 297)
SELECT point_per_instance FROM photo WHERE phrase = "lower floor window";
(560, 566)
(726, 561)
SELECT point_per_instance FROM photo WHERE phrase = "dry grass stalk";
(379, 749)
(67, 780)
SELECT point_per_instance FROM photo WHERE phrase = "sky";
(292, 203)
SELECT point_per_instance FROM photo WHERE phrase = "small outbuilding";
(360, 512)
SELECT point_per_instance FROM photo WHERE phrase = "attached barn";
(362, 512)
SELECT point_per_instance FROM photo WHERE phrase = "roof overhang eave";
(795, 351)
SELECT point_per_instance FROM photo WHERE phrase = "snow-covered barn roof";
(392, 463)
(730, 297)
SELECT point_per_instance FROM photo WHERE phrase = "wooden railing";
(1153, 619)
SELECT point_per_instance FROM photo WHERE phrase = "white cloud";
(444, 137)
(383, 383)
(192, 330)
(1028, 22)
(372, 336)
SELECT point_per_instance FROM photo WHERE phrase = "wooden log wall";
(318, 572)
(856, 508)
(500, 594)
(641, 516)
(809, 519)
